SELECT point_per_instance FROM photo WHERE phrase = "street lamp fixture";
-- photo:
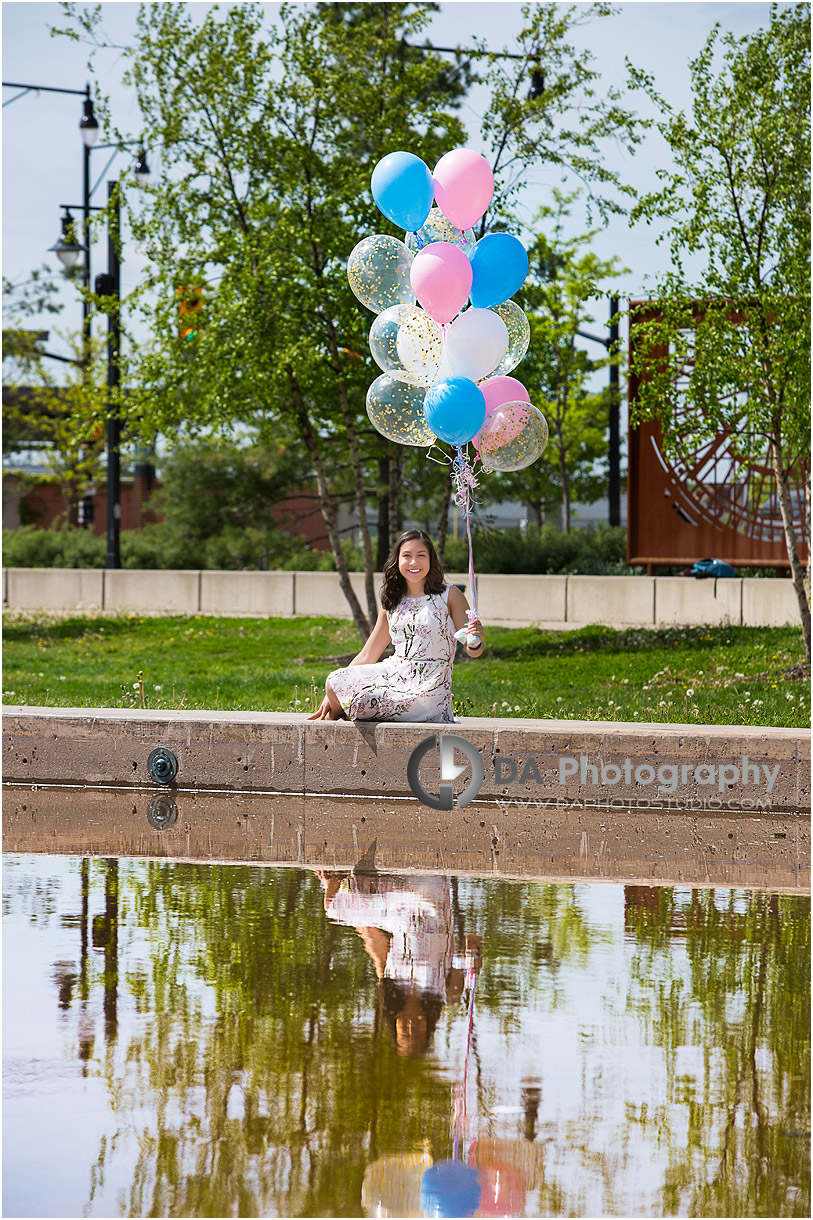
(66, 247)
(537, 88)
(88, 126)
(141, 170)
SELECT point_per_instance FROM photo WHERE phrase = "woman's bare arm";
(377, 641)
(458, 609)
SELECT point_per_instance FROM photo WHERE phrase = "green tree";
(216, 497)
(61, 416)
(739, 196)
(268, 138)
(562, 120)
(558, 297)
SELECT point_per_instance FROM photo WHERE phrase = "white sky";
(42, 160)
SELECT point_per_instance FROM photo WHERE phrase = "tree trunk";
(565, 487)
(358, 477)
(443, 523)
(326, 504)
(796, 568)
(395, 495)
(383, 511)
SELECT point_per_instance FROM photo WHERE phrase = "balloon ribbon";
(459, 1130)
(465, 481)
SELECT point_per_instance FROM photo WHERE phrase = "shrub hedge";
(595, 550)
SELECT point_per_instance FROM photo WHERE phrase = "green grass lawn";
(704, 675)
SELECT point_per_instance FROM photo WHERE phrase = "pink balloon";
(498, 390)
(441, 280)
(503, 424)
(464, 185)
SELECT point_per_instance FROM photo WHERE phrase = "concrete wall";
(587, 763)
(54, 588)
(612, 600)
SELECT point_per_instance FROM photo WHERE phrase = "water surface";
(189, 1039)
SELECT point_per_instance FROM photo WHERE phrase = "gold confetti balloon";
(519, 336)
(513, 436)
(396, 411)
(378, 272)
(407, 344)
(438, 228)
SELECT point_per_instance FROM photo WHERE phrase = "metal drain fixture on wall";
(162, 766)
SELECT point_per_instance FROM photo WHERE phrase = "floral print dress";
(416, 683)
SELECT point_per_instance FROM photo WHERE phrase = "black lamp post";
(107, 285)
(614, 474)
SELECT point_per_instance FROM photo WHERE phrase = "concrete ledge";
(768, 851)
(680, 767)
(55, 588)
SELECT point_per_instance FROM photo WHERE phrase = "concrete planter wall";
(645, 601)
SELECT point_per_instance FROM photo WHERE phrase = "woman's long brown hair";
(394, 586)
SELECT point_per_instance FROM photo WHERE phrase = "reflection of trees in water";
(266, 1056)
(745, 1000)
(254, 1033)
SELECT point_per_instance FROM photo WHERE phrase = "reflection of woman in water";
(406, 926)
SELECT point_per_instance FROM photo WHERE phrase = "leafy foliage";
(740, 198)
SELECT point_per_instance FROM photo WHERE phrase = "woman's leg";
(337, 712)
(330, 708)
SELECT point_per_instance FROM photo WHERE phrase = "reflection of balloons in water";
(512, 436)
(519, 336)
(450, 1188)
(378, 272)
(396, 411)
(407, 344)
(438, 228)
(392, 1185)
(476, 342)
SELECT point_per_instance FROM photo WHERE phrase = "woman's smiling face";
(413, 562)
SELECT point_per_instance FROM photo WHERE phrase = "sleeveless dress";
(416, 683)
(417, 913)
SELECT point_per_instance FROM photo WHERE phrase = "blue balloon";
(455, 409)
(404, 189)
(499, 265)
(450, 1188)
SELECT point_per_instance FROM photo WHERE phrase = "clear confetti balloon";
(519, 336)
(407, 344)
(438, 228)
(512, 436)
(378, 272)
(396, 411)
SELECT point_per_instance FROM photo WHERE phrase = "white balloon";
(407, 344)
(476, 342)
(419, 344)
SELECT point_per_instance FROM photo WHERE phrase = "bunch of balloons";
(445, 357)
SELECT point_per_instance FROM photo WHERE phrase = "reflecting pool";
(192, 1039)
